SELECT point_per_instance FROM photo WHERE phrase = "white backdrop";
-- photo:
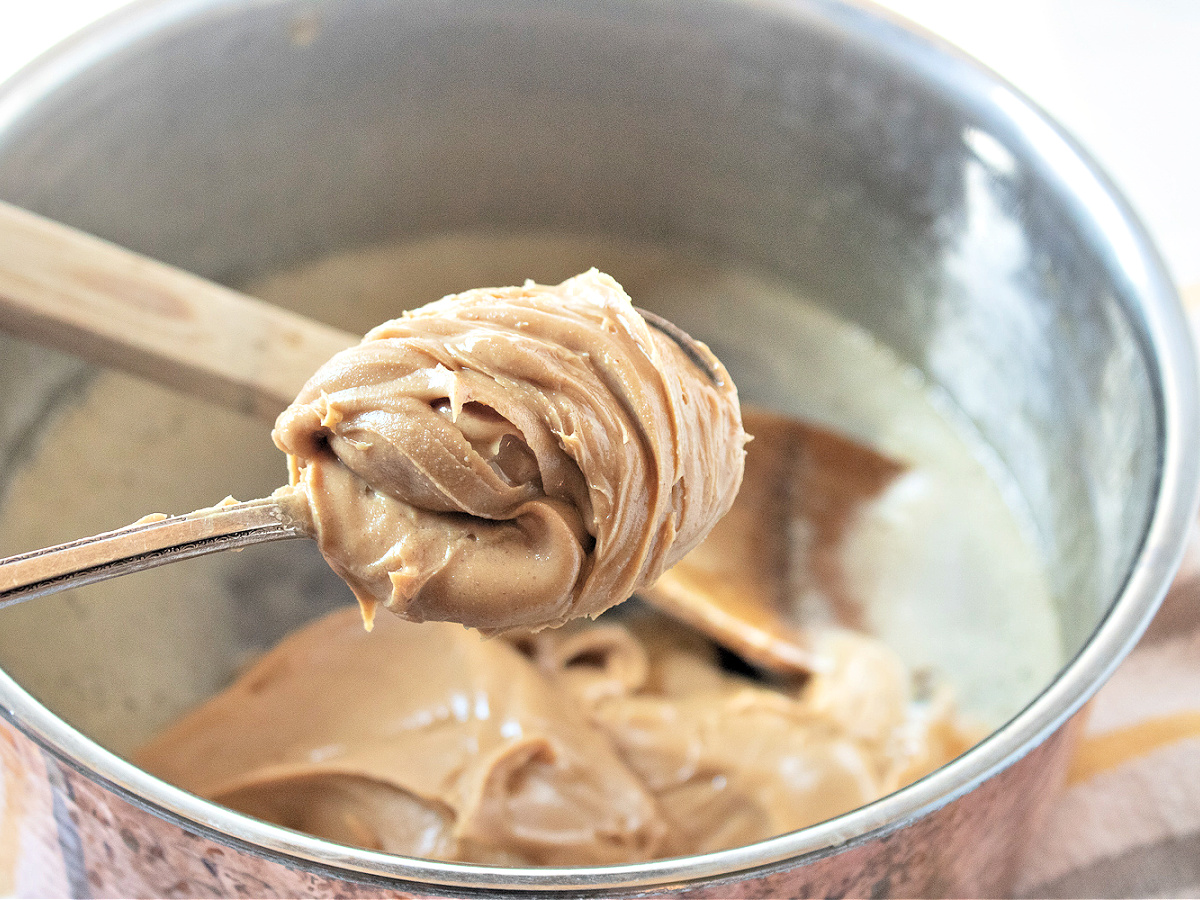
(1122, 75)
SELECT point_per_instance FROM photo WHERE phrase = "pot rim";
(1163, 329)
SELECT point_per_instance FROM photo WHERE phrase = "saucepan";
(844, 156)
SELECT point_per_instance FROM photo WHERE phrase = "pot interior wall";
(246, 140)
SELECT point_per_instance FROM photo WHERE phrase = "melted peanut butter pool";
(586, 745)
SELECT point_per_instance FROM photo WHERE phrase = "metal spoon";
(109, 305)
(158, 540)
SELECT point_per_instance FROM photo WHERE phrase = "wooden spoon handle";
(74, 292)
(149, 543)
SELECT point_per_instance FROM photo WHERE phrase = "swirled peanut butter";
(592, 744)
(512, 457)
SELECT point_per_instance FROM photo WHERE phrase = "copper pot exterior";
(61, 834)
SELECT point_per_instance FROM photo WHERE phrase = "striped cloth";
(1128, 823)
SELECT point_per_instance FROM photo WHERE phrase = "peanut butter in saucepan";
(511, 459)
(591, 744)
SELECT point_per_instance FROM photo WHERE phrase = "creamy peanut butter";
(417, 739)
(512, 457)
(591, 744)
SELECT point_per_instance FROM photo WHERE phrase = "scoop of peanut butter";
(512, 457)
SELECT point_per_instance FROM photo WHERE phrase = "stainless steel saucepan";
(860, 162)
